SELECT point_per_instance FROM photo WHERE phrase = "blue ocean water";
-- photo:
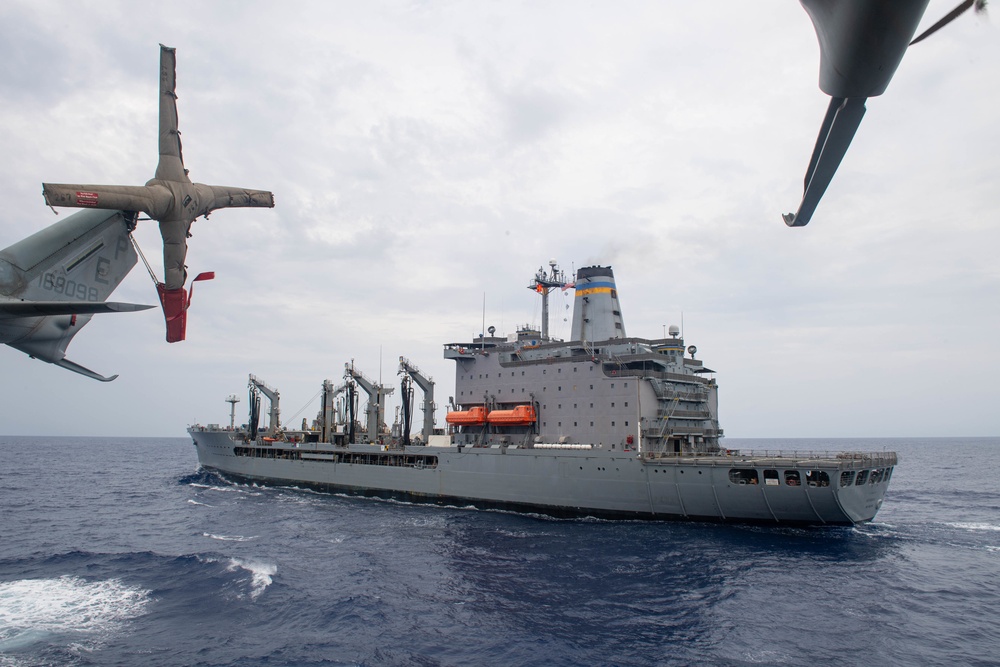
(121, 552)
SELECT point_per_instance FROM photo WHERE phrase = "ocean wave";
(230, 538)
(261, 574)
(974, 526)
(212, 487)
(195, 502)
(80, 611)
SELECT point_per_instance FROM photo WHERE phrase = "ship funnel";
(597, 314)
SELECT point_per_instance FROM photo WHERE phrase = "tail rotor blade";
(152, 200)
(171, 164)
(213, 197)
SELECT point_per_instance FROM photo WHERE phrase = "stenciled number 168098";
(70, 288)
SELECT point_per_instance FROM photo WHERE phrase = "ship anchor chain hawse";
(602, 425)
(169, 197)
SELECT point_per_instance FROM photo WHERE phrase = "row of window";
(544, 372)
(559, 388)
(812, 477)
(373, 458)
(773, 478)
(869, 476)
(544, 424)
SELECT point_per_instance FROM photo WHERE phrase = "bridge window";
(862, 478)
(792, 478)
(771, 478)
(743, 476)
(847, 478)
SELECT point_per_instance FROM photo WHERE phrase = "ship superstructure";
(601, 388)
(603, 424)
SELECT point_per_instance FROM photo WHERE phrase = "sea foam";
(34, 609)
(261, 574)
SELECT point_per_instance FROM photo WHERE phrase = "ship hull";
(570, 482)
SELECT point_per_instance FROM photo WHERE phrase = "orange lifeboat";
(521, 415)
(471, 417)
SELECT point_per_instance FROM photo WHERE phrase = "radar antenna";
(543, 283)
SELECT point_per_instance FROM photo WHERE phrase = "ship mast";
(232, 400)
(544, 283)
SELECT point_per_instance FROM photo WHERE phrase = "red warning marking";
(86, 199)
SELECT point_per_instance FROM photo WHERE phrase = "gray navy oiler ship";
(602, 425)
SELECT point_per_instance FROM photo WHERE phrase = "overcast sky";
(426, 154)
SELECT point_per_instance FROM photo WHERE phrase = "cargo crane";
(375, 412)
(257, 387)
(329, 416)
(426, 385)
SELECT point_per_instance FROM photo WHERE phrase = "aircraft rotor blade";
(171, 164)
(843, 117)
(153, 200)
(949, 17)
(214, 197)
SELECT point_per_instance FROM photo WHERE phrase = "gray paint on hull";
(565, 482)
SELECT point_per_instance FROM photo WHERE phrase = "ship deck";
(777, 458)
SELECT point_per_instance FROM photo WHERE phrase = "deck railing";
(761, 457)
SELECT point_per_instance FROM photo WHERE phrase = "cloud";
(428, 156)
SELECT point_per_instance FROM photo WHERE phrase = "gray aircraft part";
(169, 197)
(54, 281)
(861, 45)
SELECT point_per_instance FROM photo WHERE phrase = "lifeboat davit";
(522, 415)
(470, 417)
